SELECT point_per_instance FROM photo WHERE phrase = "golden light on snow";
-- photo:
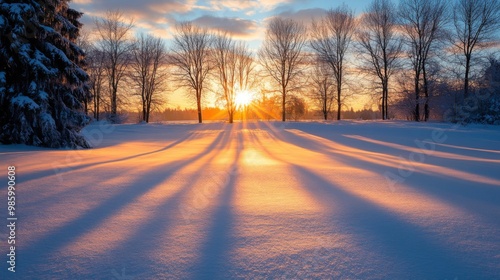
(298, 200)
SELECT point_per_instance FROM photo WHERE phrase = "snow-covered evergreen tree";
(42, 84)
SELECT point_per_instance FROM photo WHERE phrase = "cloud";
(148, 15)
(244, 19)
(240, 28)
(82, 1)
(305, 15)
(246, 5)
(140, 7)
(233, 5)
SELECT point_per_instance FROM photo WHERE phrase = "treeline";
(220, 114)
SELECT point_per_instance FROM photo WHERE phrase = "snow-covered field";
(259, 200)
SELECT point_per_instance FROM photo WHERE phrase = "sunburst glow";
(243, 98)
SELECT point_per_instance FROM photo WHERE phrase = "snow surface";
(259, 200)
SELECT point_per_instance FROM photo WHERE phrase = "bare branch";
(476, 23)
(423, 22)
(331, 38)
(281, 54)
(113, 40)
(382, 46)
(191, 58)
(149, 71)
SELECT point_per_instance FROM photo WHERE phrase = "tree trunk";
(417, 107)
(97, 108)
(325, 106)
(198, 103)
(382, 106)
(113, 96)
(325, 110)
(96, 104)
(339, 107)
(339, 102)
(283, 118)
(113, 107)
(387, 102)
(384, 103)
(385, 93)
(466, 79)
(148, 111)
(416, 114)
(426, 109)
(426, 94)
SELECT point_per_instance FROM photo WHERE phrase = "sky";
(243, 19)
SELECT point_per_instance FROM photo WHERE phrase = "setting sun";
(243, 98)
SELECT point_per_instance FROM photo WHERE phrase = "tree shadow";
(47, 246)
(61, 171)
(455, 191)
(146, 238)
(215, 255)
(411, 247)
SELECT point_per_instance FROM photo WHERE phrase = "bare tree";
(245, 67)
(95, 63)
(191, 57)
(96, 68)
(281, 54)
(423, 22)
(148, 65)
(234, 65)
(331, 37)
(476, 23)
(322, 88)
(379, 39)
(84, 42)
(225, 63)
(113, 40)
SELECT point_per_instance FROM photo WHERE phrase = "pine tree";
(42, 84)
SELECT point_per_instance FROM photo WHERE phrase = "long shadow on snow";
(398, 238)
(159, 225)
(215, 261)
(438, 155)
(55, 171)
(410, 247)
(461, 192)
(190, 136)
(407, 142)
(59, 238)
